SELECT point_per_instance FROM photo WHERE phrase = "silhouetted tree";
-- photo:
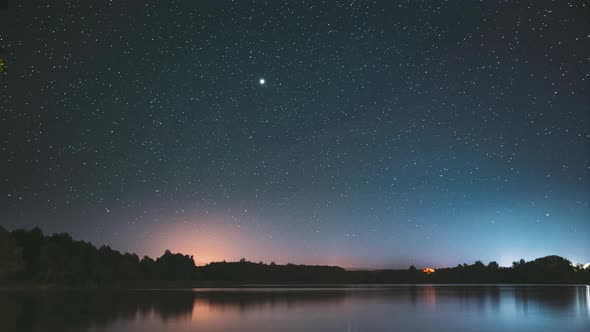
(148, 268)
(478, 265)
(519, 264)
(175, 266)
(11, 259)
(129, 268)
(30, 242)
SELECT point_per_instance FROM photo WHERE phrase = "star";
(354, 135)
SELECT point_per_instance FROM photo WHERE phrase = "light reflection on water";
(404, 308)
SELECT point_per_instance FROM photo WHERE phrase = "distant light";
(262, 81)
(428, 270)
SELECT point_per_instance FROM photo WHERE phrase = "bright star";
(262, 81)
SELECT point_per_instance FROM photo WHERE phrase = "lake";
(377, 308)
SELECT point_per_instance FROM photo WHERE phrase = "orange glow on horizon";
(211, 238)
(214, 239)
(206, 241)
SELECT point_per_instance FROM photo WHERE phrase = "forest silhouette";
(29, 256)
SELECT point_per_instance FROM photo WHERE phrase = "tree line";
(31, 256)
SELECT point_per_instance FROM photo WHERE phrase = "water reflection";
(409, 308)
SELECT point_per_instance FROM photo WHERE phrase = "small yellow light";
(3, 66)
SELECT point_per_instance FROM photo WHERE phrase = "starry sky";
(359, 133)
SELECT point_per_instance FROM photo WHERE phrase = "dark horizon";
(20, 241)
(249, 259)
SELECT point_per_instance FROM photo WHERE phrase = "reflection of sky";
(403, 308)
(421, 308)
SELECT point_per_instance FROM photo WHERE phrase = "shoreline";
(24, 287)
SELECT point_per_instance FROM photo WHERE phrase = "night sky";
(383, 134)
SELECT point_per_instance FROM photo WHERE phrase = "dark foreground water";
(395, 308)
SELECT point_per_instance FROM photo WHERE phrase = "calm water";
(402, 308)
